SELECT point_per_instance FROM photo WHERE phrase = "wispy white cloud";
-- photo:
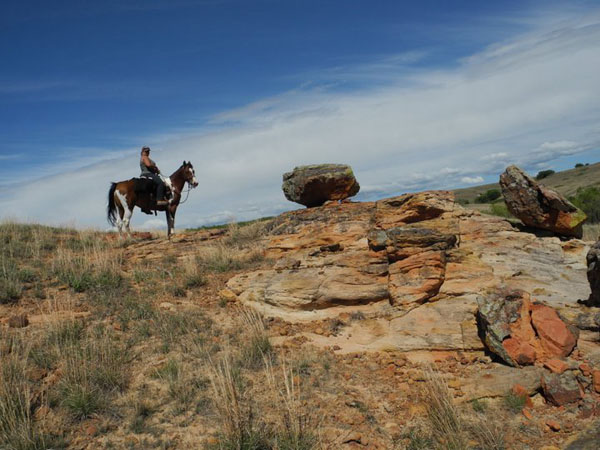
(472, 180)
(528, 101)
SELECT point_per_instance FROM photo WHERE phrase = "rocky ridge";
(413, 265)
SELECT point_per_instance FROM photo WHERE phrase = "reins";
(187, 193)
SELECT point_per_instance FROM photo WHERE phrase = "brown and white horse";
(122, 198)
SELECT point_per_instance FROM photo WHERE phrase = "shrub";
(544, 173)
(499, 209)
(488, 196)
(588, 200)
(514, 403)
(578, 165)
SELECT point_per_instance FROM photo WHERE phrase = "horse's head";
(189, 174)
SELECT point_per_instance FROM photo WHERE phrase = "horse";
(123, 198)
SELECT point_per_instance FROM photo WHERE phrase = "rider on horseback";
(150, 170)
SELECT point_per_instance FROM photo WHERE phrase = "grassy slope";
(565, 182)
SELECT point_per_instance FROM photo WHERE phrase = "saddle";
(145, 185)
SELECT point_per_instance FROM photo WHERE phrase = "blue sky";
(413, 95)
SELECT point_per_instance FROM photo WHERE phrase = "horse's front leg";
(169, 223)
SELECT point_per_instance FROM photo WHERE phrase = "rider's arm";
(150, 164)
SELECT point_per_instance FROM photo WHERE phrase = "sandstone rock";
(561, 389)
(556, 365)
(314, 185)
(520, 332)
(593, 274)
(538, 206)
(499, 379)
(18, 321)
(413, 265)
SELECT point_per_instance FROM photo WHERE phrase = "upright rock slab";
(593, 274)
(314, 185)
(539, 207)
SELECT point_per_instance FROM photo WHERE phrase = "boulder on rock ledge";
(521, 332)
(314, 185)
(539, 207)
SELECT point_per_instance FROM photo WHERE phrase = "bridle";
(187, 192)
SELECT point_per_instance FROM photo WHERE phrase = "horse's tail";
(111, 210)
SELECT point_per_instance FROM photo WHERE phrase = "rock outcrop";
(413, 266)
(560, 389)
(539, 207)
(521, 332)
(593, 274)
(316, 184)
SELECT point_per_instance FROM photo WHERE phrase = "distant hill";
(566, 182)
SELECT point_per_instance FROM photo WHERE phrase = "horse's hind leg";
(125, 212)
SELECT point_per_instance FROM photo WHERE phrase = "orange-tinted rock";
(555, 337)
(520, 332)
(522, 352)
(596, 380)
(556, 365)
(585, 369)
(553, 425)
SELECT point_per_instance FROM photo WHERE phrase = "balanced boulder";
(539, 207)
(593, 274)
(316, 184)
(521, 332)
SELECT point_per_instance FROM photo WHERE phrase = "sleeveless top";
(144, 169)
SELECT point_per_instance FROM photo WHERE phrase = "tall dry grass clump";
(18, 429)
(240, 428)
(450, 428)
(87, 263)
(446, 424)
(294, 426)
(257, 347)
(223, 258)
(242, 236)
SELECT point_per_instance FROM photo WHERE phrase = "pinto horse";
(123, 198)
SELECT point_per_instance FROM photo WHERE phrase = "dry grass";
(257, 347)
(282, 421)
(18, 429)
(451, 428)
(242, 236)
(223, 258)
(295, 427)
(89, 265)
(591, 232)
(446, 424)
(240, 428)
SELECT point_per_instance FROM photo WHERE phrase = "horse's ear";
(184, 163)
